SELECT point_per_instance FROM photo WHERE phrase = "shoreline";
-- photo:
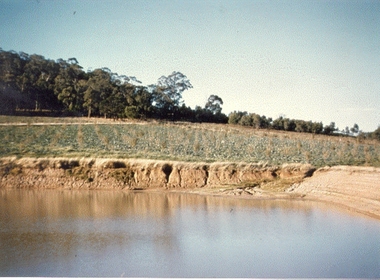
(352, 188)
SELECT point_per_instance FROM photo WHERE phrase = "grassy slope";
(82, 137)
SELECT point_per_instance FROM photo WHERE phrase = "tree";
(235, 117)
(265, 122)
(45, 85)
(289, 125)
(186, 113)
(113, 105)
(66, 84)
(354, 129)
(213, 104)
(32, 76)
(139, 101)
(99, 88)
(11, 66)
(278, 123)
(301, 126)
(168, 92)
(257, 121)
(317, 128)
(246, 120)
(329, 129)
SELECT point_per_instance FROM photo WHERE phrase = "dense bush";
(257, 121)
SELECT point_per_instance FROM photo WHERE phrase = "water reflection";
(115, 233)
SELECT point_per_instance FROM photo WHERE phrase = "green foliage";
(33, 83)
(355, 129)
(139, 102)
(259, 122)
(167, 94)
(329, 129)
(214, 104)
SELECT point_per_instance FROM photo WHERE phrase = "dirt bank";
(352, 187)
(135, 174)
(355, 188)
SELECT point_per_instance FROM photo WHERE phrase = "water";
(116, 233)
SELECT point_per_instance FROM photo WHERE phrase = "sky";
(308, 60)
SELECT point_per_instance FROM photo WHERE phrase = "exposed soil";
(351, 187)
(354, 188)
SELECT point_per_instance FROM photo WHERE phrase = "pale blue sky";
(310, 60)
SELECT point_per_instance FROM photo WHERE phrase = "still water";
(116, 233)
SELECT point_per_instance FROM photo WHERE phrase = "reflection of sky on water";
(114, 233)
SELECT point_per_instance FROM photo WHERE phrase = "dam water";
(135, 234)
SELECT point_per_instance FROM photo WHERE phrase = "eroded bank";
(135, 174)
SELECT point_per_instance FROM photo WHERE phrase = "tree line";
(31, 82)
(286, 124)
(281, 123)
(34, 83)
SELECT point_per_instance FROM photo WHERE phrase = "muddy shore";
(354, 188)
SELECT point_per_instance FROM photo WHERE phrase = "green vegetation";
(31, 84)
(179, 141)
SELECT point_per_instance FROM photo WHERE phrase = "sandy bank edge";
(354, 188)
